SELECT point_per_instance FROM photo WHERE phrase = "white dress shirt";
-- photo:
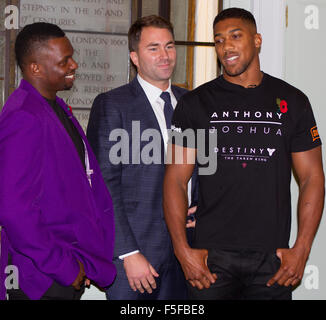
(153, 95)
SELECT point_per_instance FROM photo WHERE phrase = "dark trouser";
(242, 275)
(55, 292)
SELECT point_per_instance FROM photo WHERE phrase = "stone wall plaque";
(82, 116)
(2, 15)
(103, 65)
(87, 15)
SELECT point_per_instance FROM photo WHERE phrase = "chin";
(67, 87)
(166, 73)
(234, 73)
(165, 76)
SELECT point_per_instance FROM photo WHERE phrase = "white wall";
(93, 293)
(305, 67)
(205, 60)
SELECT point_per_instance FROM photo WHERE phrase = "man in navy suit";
(140, 115)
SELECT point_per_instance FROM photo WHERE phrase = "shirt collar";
(152, 92)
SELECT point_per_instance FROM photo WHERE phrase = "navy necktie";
(168, 109)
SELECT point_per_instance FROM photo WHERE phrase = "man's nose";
(228, 45)
(164, 53)
(73, 64)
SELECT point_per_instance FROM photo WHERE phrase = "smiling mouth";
(164, 66)
(70, 77)
(231, 60)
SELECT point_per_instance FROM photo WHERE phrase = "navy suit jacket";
(136, 189)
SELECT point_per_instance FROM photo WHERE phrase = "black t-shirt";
(70, 128)
(246, 202)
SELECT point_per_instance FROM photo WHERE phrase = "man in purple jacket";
(55, 210)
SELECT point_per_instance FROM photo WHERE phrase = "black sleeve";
(306, 135)
(182, 131)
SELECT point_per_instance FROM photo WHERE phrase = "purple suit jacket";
(51, 216)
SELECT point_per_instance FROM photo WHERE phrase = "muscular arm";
(309, 169)
(175, 204)
(308, 166)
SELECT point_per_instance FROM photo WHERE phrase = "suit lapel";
(177, 93)
(149, 120)
(144, 106)
(74, 152)
(70, 115)
(80, 130)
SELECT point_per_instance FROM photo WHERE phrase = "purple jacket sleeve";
(21, 177)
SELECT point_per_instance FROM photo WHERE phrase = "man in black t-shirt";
(264, 127)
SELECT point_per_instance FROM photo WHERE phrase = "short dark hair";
(148, 21)
(235, 13)
(32, 37)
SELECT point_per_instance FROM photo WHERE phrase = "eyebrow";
(66, 58)
(155, 44)
(233, 30)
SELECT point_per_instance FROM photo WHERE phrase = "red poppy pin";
(282, 105)
(69, 109)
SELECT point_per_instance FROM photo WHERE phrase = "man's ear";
(134, 58)
(258, 40)
(35, 69)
